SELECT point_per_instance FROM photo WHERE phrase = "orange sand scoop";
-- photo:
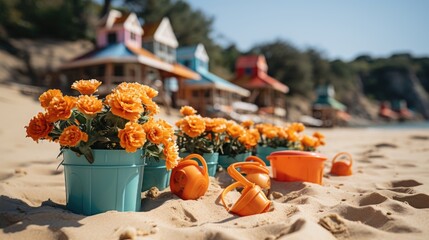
(342, 166)
(188, 180)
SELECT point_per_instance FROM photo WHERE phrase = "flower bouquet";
(238, 143)
(121, 126)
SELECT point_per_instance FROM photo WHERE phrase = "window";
(101, 70)
(133, 36)
(118, 70)
(111, 38)
(195, 94)
(187, 63)
(248, 71)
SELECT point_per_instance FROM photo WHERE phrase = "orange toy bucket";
(342, 164)
(297, 166)
(188, 180)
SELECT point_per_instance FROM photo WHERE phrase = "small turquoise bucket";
(226, 160)
(263, 152)
(112, 182)
(211, 160)
(155, 175)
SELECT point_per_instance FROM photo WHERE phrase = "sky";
(340, 29)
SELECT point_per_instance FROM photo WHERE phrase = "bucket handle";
(202, 160)
(252, 165)
(232, 171)
(225, 191)
(347, 155)
(255, 159)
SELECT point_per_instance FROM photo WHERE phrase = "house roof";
(161, 31)
(121, 53)
(190, 52)
(250, 61)
(209, 79)
(261, 80)
(149, 29)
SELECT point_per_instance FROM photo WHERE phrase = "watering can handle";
(252, 165)
(338, 155)
(255, 159)
(226, 190)
(232, 171)
(202, 160)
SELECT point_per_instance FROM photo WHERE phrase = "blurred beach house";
(120, 57)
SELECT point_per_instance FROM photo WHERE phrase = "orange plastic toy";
(297, 166)
(188, 180)
(342, 168)
(252, 199)
(256, 172)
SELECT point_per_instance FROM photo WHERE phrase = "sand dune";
(387, 197)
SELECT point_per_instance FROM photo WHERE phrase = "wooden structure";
(326, 108)
(211, 95)
(119, 57)
(266, 92)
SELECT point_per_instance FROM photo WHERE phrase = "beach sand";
(387, 197)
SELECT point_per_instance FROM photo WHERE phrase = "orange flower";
(297, 127)
(318, 135)
(247, 124)
(47, 96)
(220, 125)
(193, 125)
(127, 105)
(86, 87)
(270, 132)
(248, 139)
(38, 127)
(187, 111)
(171, 154)
(292, 136)
(132, 136)
(150, 92)
(157, 133)
(71, 136)
(60, 108)
(234, 130)
(89, 105)
(308, 141)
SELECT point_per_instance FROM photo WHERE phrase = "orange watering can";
(343, 167)
(256, 172)
(188, 180)
(252, 199)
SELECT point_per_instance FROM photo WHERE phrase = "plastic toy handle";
(248, 166)
(255, 159)
(348, 157)
(202, 160)
(232, 171)
(226, 190)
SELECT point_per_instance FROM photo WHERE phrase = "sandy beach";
(387, 197)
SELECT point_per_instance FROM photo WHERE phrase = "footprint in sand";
(375, 218)
(183, 217)
(406, 183)
(418, 137)
(334, 224)
(385, 145)
(419, 200)
(372, 199)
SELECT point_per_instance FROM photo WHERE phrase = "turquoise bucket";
(226, 160)
(112, 182)
(211, 160)
(263, 152)
(155, 175)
